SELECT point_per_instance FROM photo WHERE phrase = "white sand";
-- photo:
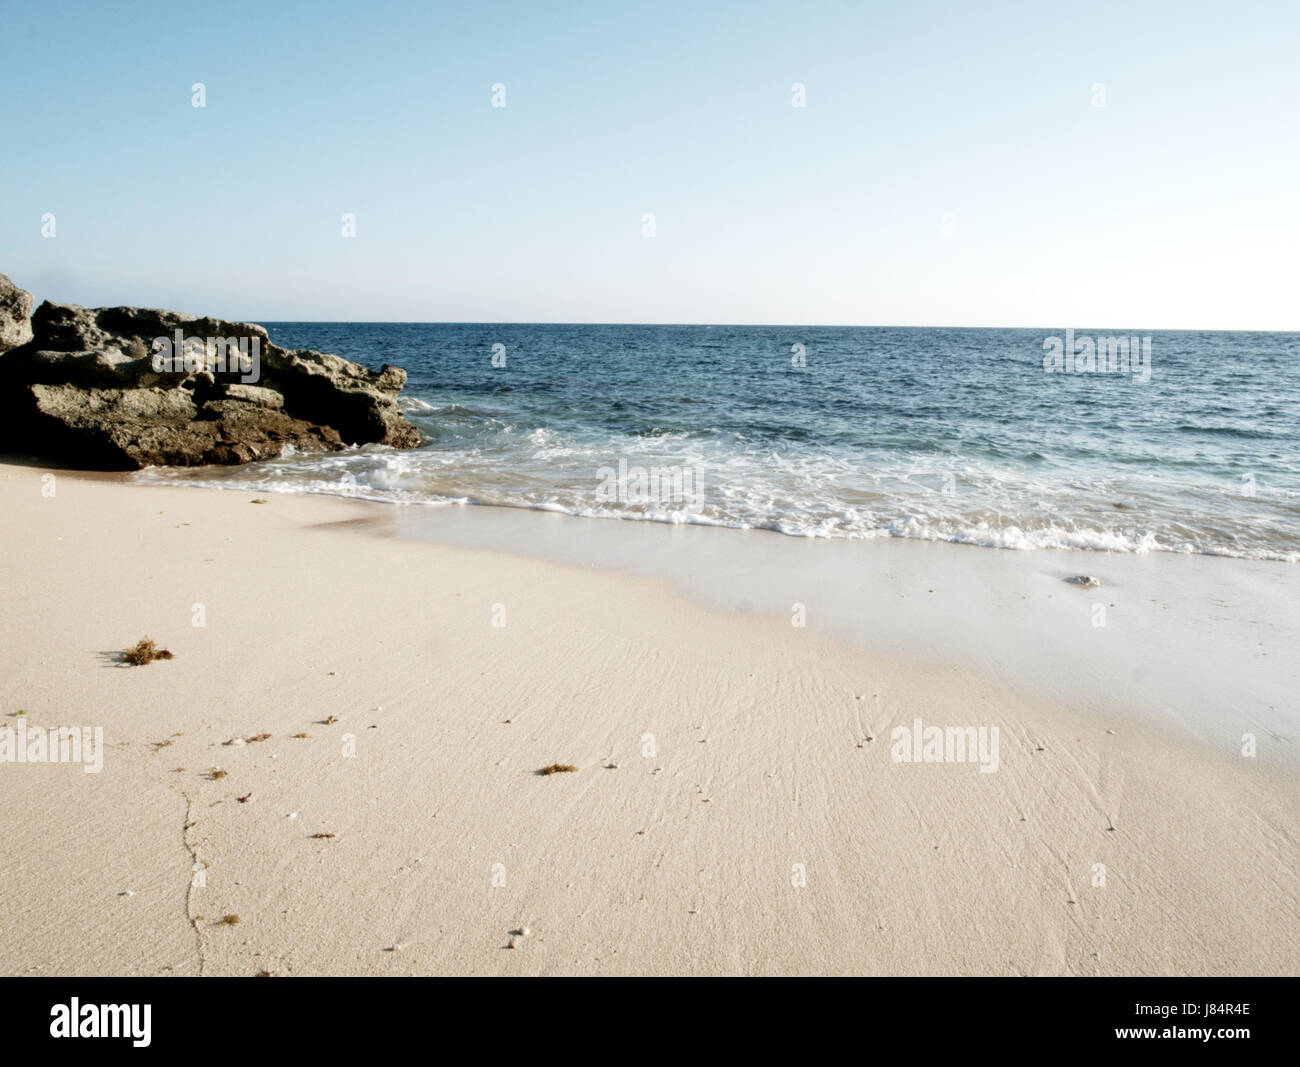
(1208, 643)
(676, 863)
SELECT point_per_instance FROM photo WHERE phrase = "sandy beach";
(736, 807)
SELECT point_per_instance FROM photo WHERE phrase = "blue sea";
(956, 435)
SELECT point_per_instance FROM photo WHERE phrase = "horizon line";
(755, 325)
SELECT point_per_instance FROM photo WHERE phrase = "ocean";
(1190, 444)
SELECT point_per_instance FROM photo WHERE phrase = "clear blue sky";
(1175, 205)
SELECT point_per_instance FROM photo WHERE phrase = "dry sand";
(445, 837)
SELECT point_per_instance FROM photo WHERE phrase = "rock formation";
(15, 315)
(122, 388)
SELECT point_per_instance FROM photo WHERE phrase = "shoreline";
(682, 862)
(1146, 640)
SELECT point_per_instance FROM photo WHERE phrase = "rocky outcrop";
(122, 388)
(15, 315)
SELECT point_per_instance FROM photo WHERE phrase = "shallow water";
(938, 434)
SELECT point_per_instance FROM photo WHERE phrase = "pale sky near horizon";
(949, 167)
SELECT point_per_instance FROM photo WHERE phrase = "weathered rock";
(94, 387)
(15, 315)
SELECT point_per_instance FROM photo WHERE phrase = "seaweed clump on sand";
(145, 651)
(558, 768)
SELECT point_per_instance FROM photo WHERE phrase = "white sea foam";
(797, 495)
